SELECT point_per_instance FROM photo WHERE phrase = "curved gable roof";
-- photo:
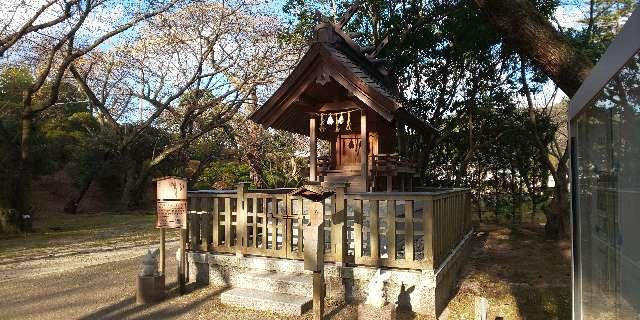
(338, 64)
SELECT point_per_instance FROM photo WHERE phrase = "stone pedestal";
(150, 289)
(386, 312)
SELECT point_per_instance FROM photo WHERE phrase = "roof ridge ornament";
(323, 77)
(351, 10)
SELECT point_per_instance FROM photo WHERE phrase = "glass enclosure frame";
(584, 109)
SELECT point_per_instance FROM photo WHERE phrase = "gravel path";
(101, 285)
(66, 258)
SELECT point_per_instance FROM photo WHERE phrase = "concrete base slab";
(259, 300)
(278, 282)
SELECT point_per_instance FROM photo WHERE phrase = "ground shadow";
(127, 307)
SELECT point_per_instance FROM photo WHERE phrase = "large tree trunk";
(255, 167)
(71, 206)
(557, 218)
(531, 34)
(135, 178)
(253, 147)
(21, 182)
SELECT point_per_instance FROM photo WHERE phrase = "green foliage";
(281, 167)
(60, 134)
(454, 72)
(12, 82)
(223, 175)
(601, 25)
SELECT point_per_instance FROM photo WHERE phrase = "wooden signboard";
(171, 194)
(172, 214)
(173, 188)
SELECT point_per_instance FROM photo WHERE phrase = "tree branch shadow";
(127, 307)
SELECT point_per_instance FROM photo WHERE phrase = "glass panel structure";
(605, 147)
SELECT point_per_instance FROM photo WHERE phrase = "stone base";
(150, 289)
(424, 292)
(288, 304)
(387, 312)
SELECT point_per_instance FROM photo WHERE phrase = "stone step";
(276, 282)
(259, 300)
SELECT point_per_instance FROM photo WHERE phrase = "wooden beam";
(408, 230)
(374, 230)
(241, 214)
(364, 146)
(338, 230)
(428, 228)
(313, 151)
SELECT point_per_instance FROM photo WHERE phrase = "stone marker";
(376, 305)
(150, 286)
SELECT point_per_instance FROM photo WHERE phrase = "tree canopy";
(115, 97)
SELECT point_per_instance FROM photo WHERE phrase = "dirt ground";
(521, 275)
(92, 276)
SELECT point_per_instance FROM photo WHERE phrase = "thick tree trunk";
(557, 225)
(135, 178)
(21, 184)
(253, 147)
(531, 34)
(255, 169)
(72, 205)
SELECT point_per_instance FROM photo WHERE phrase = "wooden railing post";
(391, 229)
(215, 224)
(182, 261)
(467, 211)
(428, 232)
(357, 229)
(194, 231)
(338, 229)
(375, 231)
(408, 233)
(241, 215)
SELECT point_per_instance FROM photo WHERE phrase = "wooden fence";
(414, 230)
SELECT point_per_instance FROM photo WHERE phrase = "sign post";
(171, 195)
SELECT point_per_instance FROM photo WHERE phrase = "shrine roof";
(333, 75)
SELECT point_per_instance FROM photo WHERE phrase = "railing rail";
(414, 230)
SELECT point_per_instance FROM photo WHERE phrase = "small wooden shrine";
(340, 93)
(385, 251)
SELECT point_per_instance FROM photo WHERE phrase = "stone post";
(314, 240)
(314, 256)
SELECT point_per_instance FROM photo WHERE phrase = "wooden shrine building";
(339, 93)
(381, 250)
